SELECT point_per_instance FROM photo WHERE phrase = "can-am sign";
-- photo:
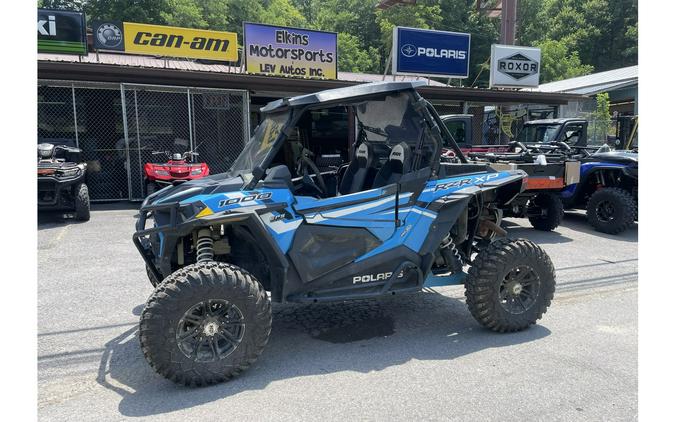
(427, 52)
(168, 41)
(514, 66)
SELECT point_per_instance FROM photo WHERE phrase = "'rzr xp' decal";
(456, 183)
(247, 198)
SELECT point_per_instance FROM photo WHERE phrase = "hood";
(218, 183)
(619, 157)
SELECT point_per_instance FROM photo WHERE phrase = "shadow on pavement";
(310, 340)
(572, 220)
(52, 219)
(578, 222)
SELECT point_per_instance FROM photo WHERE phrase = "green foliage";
(602, 33)
(602, 119)
(353, 57)
(557, 62)
(62, 4)
(576, 36)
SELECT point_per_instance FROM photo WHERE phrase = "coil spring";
(451, 255)
(204, 246)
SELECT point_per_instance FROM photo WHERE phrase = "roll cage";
(428, 114)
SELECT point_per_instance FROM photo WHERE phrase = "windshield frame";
(246, 152)
(556, 126)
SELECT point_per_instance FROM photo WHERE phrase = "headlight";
(161, 172)
(196, 171)
(70, 172)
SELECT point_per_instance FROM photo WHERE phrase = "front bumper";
(56, 193)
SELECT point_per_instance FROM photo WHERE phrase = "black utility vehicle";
(61, 180)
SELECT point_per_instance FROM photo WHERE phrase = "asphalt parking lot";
(400, 358)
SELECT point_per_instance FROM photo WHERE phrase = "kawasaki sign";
(430, 53)
(61, 31)
(514, 67)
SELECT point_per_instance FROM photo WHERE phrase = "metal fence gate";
(118, 126)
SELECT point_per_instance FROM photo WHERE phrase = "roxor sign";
(513, 66)
(430, 53)
(61, 31)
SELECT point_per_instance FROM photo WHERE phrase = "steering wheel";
(305, 165)
(516, 144)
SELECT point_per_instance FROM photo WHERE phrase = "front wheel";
(510, 285)
(205, 323)
(82, 205)
(545, 211)
(611, 210)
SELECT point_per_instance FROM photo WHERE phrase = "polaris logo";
(410, 50)
(518, 66)
(367, 278)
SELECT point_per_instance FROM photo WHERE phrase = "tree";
(354, 58)
(281, 12)
(602, 32)
(601, 117)
(142, 11)
(557, 62)
(62, 4)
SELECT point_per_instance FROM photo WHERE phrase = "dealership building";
(120, 107)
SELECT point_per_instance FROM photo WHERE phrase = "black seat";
(356, 175)
(397, 165)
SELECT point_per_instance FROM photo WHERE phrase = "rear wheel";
(510, 285)
(545, 211)
(205, 324)
(82, 206)
(611, 210)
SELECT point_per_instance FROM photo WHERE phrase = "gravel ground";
(420, 356)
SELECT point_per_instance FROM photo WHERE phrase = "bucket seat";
(398, 164)
(360, 168)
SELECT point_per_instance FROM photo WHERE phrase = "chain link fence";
(118, 126)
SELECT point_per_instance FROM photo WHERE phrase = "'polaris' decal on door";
(367, 278)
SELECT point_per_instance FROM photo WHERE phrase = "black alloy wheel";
(210, 330)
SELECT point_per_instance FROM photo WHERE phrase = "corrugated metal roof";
(178, 64)
(593, 83)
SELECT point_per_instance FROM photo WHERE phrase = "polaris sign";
(427, 52)
(514, 67)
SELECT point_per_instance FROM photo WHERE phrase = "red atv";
(178, 169)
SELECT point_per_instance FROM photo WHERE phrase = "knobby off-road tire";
(172, 317)
(611, 210)
(510, 285)
(82, 206)
(552, 211)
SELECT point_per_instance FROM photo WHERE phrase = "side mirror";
(258, 173)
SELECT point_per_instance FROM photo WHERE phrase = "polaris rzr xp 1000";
(391, 219)
(61, 180)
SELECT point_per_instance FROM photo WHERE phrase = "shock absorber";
(204, 245)
(451, 255)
